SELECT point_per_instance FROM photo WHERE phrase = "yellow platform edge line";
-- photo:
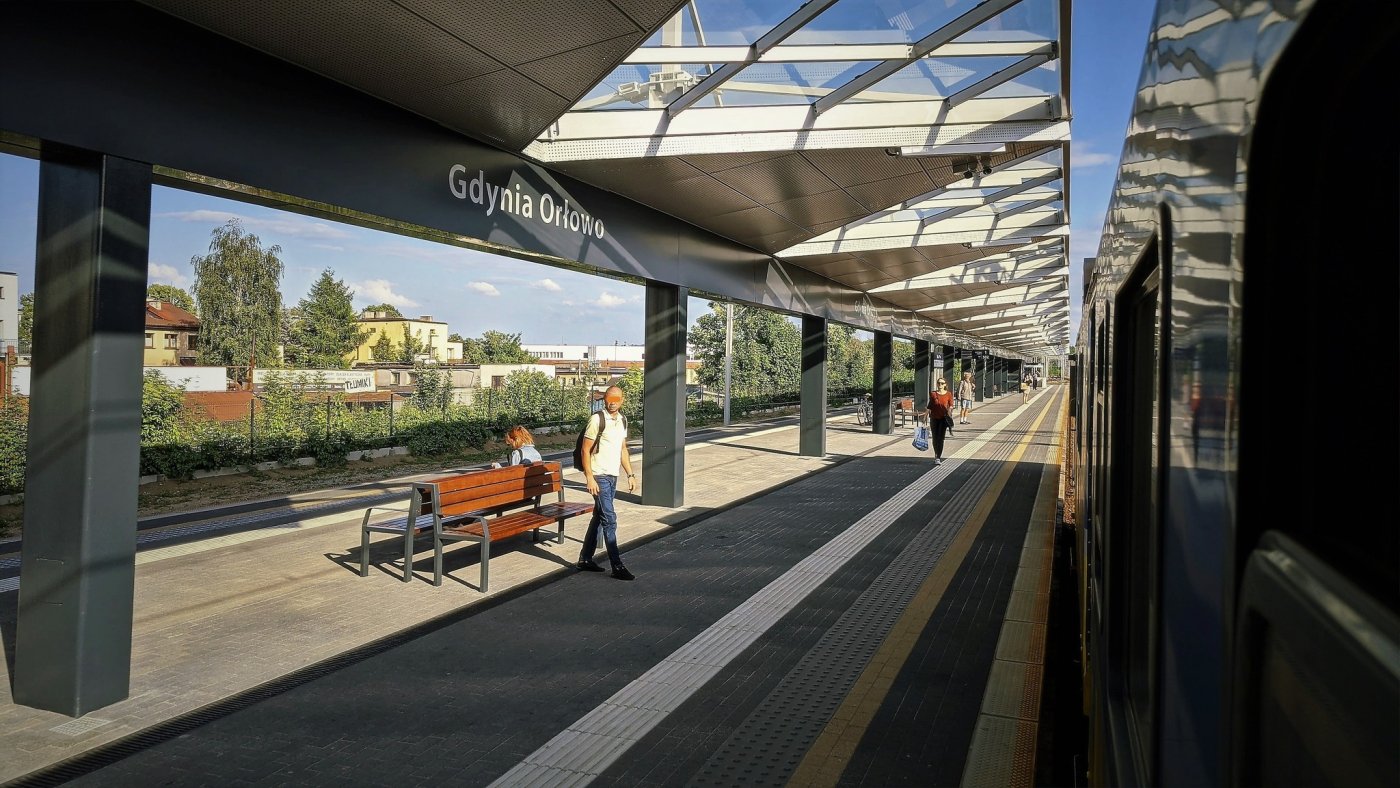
(831, 753)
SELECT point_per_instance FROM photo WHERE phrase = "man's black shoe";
(621, 573)
(588, 566)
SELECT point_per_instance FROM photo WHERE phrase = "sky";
(475, 291)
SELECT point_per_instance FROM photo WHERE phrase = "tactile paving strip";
(770, 744)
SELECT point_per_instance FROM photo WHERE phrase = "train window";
(1134, 522)
(1317, 679)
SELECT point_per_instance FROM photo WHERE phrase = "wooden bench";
(475, 507)
(903, 411)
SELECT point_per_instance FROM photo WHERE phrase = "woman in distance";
(940, 408)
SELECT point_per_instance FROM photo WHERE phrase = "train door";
(1133, 532)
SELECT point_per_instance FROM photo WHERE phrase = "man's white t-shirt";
(608, 460)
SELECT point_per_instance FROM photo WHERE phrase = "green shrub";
(14, 438)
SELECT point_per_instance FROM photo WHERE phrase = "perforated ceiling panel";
(499, 72)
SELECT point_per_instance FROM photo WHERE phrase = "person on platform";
(940, 417)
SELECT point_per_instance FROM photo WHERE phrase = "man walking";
(604, 454)
(966, 391)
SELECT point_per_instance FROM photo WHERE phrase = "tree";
(434, 390)
(455, 337)
(392, 310)
(325, 329)
(633, 385)
(172, 295)
(384, 349)
(495, 347)
(849, 361)
(26, 322)
(240, 305)
(161, 403)
(411, 348)
(767, 351)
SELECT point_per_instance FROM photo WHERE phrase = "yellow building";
(172, 336)
(431, 335)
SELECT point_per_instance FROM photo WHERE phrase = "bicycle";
(864, 412)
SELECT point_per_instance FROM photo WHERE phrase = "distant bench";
(472, 507)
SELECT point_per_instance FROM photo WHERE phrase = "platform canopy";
(914, 150)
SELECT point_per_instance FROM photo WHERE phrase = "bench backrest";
(477, 490)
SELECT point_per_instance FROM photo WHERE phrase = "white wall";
(19, 380)
(349, 380)
(194, 378)
(598, 353)
(9, 311)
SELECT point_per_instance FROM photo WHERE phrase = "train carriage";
(1238, 567)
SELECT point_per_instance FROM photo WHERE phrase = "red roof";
(163, 314)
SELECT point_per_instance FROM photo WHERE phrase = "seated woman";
(522, 447)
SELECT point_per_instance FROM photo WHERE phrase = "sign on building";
(347, 380)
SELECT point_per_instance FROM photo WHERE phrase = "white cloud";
(166, 274)
(379, 291)
(284, 224)
(548, 284)
(608, 300)
(485, 288)
(1083, 156)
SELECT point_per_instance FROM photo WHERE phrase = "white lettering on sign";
(516, 202)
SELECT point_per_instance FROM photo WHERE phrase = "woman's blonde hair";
(518, 436)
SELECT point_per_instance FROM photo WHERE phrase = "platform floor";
(864, 618)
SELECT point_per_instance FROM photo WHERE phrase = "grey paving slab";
(219, 621)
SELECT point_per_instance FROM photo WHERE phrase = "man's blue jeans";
(603, 515)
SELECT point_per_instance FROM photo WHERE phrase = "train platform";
(866, 618)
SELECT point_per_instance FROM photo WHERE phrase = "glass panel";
(1041, 81)
(783, 83)
(884, 22)
(642, 86)
(935, 78)
(727, 22)
(1028, 20)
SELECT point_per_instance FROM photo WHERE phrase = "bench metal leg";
(437, 560)
(364, 546)
(485, 562)
(560, 538)
(408, 554)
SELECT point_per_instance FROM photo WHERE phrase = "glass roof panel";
(1028, 20)
(1041, 81)
(934, 78)
(763, 84)
(641, 86)
(726, 22)
(883, 22)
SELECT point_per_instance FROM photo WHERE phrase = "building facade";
(172, 336)
(431, 336)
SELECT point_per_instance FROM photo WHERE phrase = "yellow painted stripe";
(833, 749)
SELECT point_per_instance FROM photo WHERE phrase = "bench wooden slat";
(565, 509)
(502, 527)
(483, 478)
(527, 488)
(477, 504)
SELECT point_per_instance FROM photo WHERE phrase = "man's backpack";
(578, 443)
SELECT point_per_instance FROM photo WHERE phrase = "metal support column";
(663, 399)
(812, 427)
(950, 370)
(922, 364)
(884, 380)
(982, 376)
(1015, 375)
(73, 634)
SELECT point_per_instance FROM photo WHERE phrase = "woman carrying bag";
(940, 408)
